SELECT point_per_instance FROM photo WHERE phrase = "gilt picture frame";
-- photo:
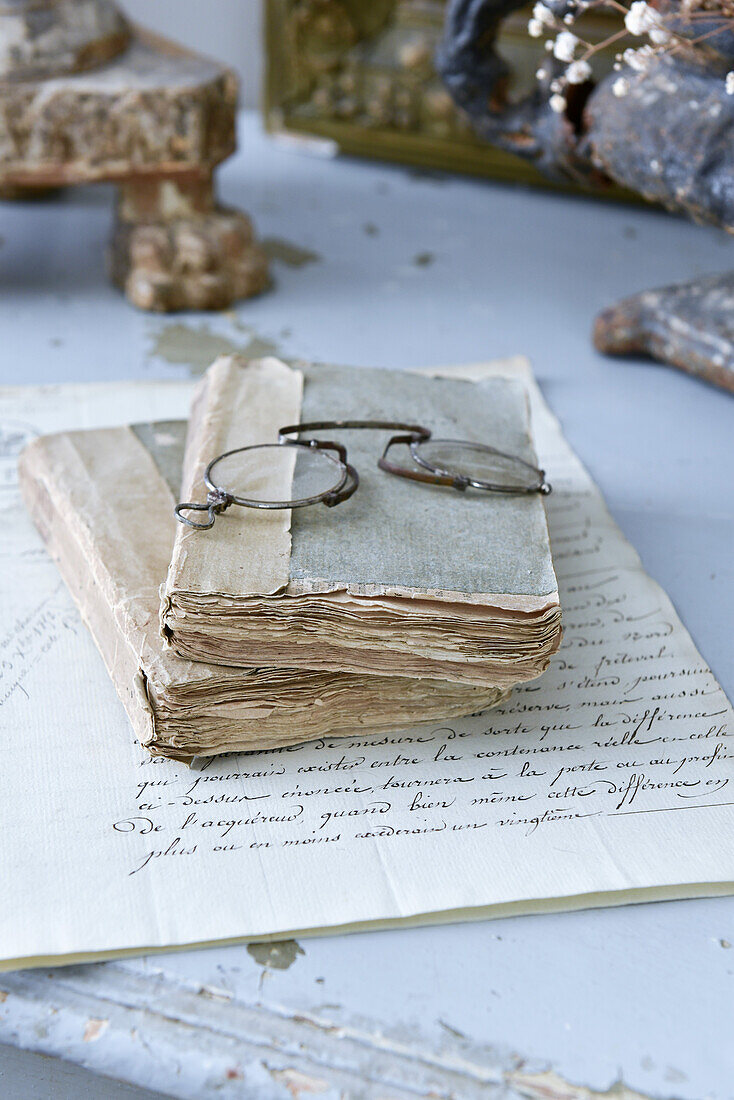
(359, 79)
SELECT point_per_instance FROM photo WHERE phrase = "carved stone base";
(156, 120)
(689, 326)
(44, 38)
(174, 248)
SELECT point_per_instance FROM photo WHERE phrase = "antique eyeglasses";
(318, 472)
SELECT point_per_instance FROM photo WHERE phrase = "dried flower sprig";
(640, 20)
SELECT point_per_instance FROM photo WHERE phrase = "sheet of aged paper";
(605, 782)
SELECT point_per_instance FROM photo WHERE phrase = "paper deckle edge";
(522, 907)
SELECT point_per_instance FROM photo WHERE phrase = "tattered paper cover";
(403, 577)
(606, 781)
(103, 502)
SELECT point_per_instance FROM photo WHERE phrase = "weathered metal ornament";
(689, 326)
(670, 138)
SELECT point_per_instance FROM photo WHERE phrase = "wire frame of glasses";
(317, 472)
(461, 464)
(456, 463)
(479, 466)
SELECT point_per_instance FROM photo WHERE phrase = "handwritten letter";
(609, 779)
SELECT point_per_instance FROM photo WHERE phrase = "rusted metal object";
(153, 118)
(689, 326)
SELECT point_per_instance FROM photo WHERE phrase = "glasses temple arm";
(417, 433)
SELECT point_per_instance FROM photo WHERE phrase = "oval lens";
(277, 474)
(478, 462)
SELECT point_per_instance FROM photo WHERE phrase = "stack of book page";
(406, 604)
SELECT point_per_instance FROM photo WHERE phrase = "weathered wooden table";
(386, 267)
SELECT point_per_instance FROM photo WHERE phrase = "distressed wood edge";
(194, 1041)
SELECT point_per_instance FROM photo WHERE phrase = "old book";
(103, 502)
(403, 579)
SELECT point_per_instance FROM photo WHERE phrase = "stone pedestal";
(84, 98)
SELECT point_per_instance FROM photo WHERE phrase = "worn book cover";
(103, 502)
(402, 579)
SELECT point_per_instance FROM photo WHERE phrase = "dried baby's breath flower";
(660, 35)
(557, 103)
(544, 15)
(642, 19)
(578, 72)
(638, 59)
(565, 46)
(639, 19)
(542, 18)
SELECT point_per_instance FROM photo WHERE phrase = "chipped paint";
(428, 175)
(452, 1030)
(288, 253)
(549, 1086)
(276, 1052)
(94, 1029)
(196, 347)
(260, 346)
(275, 956)
(3, 996)
(215, 993)
(298, 1083)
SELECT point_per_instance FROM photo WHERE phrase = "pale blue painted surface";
(644, 993)
(230, 30)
